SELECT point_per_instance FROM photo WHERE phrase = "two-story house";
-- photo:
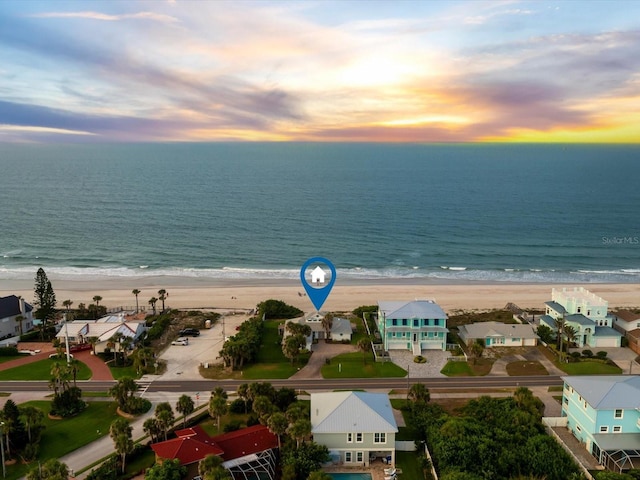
(356, 427)
(603, 412)
(586, 313)
(16, 316)
(415, 326)
(628, 323)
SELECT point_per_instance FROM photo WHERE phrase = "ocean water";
(519, 213)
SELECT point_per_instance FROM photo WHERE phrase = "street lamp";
(4, 467)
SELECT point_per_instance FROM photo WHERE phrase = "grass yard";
(457, 369)
(589, 367)
(351, 365)
(40, 370)
(524, 368)
(63, 436)
(408, 462)
(121, 372)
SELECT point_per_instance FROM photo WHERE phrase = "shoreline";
(187, 292)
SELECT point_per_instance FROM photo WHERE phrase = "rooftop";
(414, 309)
(607, 392)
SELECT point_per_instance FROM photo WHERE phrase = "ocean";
(470, 212)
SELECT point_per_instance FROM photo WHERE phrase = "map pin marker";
(316, 293)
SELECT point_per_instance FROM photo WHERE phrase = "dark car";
(189, 332)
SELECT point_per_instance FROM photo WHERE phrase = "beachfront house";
(356, 427)
(603, 412)
(628, 324)
(103, 329)
(414, 326)
(12, 308)
(248, 453)
(586, 313)
(496, 334)
(340, 331)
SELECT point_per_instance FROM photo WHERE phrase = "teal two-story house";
(603, 412)
(414, 326)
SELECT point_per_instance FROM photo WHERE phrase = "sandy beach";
(208, 293)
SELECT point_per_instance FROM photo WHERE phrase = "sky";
(335, 71)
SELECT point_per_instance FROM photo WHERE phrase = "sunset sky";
(388, 71)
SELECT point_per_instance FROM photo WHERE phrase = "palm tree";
(33, 418)
(327, 324)
(185, 406)
(164, 414)
(97, 299)
(419, 393)
(560, 324)
(243, 393)
(136, 292)
(571, 334)
(152, 302)
(120, 432)
(67, 306)
(278, 425)
(162, 296)
(152, 427)
(217, 408)
(300, 430)
(93, 341)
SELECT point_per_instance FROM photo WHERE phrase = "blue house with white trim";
(414, 326)
(603, 412)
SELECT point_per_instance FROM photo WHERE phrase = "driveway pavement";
(321, 351)
(436, 360)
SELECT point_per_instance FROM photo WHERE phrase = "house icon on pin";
(317, 276)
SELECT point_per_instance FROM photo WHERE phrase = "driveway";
(436, 360)
(320, 352)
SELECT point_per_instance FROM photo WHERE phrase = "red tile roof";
(246, 441)
(193, 444)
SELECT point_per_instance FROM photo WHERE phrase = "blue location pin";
(318, 295)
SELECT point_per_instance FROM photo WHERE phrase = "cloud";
(107, 17)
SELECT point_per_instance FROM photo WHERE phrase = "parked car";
(189, 332)
(181, 341)
(60, 356)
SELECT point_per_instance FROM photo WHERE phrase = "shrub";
(8, 352)
(238, 406)
(601, 355)
(137, 405)
(575, 355)
(68, 403)
(419, 359)
(232, 426)
(277, 309)
(158, 327)
(587, 353)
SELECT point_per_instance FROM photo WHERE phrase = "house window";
(617, 428)
(380, 438)
(425, 322)
(358, 437)
(618, 413)
(579, 309)
(584, 404)
(347, 457)
(405, 322)
(416, 322)
(565, 400)
(436, 322)
(578, 428)
(604, 429)
(349, 437)
(394, 322)
(359, 457)
(588, 313)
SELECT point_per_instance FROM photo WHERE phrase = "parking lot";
(183, 361)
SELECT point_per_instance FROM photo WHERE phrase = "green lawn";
(9, 358)
(121, 372)
(587, 367)
(40, 370)
(351, 365)
(408, 463)
(457, 369)
(63, 436)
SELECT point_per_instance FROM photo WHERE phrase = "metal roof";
(556, 306)
(414, 309)
(580, 319)
(607, 332)
(342, 412)
(607, 392)
(497, 329)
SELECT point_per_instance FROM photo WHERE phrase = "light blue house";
(586, 313)
(603, 412)
(415, 326)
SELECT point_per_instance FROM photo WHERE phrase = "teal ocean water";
(523, 213)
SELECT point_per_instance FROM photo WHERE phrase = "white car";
(181, 341)
(60, 355)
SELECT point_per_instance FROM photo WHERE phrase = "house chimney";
(23, 309)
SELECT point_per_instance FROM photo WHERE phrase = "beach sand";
(207, 293)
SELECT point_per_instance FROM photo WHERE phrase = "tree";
(293, 346)
(299, 430)
(152, 427)
(210, 468)
(277, 309)
(319, 475)
(162, 296)
(278, 424)
(364, 344)
(327, 324)
(165, 417)
(33, 418)
(45, 300)
(120, 432)
(263, 407)
(52, 469)
(185, 406)
(93, 341)
(308, 458)
(545, 334)
(560, 324)
(419, 393)
(217, 408)
(243, 393)
(67, 306)
(97, 299)
(152, 302)
(476, 349)
(167, 470)
(571, 334)
(136, 292)
(297, 411)
(123, 392)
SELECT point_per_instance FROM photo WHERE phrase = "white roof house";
(415, 309)
(338, 412)
(499, 334)
(79, 331)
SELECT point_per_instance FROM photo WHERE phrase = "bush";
(575, 355)
(232, 426)
(137, 405)
(587, 353)
(270, 309)
(419, 359)
(364, 309)
(8, 352)
(238, 406)
(68, 403)
(158, 327)
(601, 355)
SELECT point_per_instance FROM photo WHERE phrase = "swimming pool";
(350, 476)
